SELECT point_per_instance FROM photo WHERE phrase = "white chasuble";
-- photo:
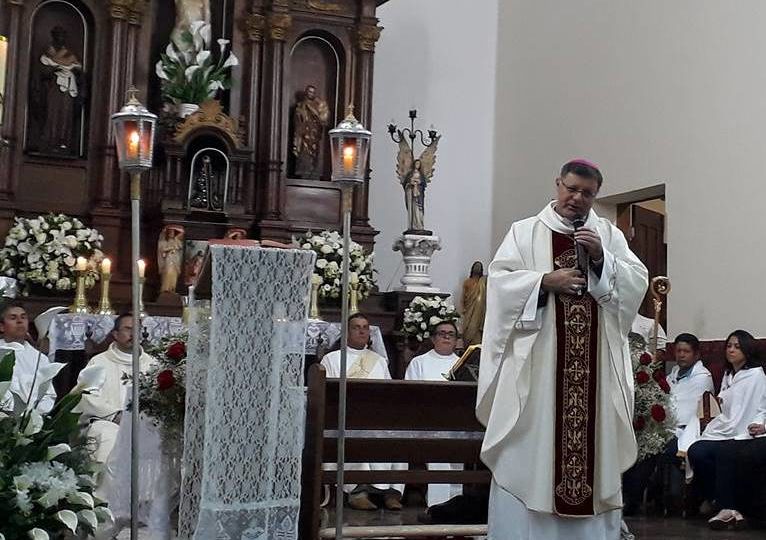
(520, 381)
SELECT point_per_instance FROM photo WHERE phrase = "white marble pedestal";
(417, 250)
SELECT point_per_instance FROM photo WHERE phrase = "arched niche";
(209, 173)
(316, 60)
(61, 38)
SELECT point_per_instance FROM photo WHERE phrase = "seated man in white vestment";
(14, 325)
(432, 366)
(363, 363)
(102, 409)
(688, 380)
(556, 381)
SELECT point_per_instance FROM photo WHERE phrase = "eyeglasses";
(586, 193)
(444, 334)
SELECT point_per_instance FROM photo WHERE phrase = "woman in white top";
(711, 458)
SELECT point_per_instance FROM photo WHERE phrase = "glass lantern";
(349, 145)
(134, 128)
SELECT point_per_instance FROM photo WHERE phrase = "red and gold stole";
(576, 369)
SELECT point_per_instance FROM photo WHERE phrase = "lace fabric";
(244, 428)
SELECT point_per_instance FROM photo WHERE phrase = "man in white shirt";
(432, 366)
(102, 409)
(14, 325)
(363, 363)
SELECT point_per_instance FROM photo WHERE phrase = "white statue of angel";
(415, 175)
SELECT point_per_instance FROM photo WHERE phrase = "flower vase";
(186, 109)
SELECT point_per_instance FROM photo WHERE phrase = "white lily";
(222, 43)
(190, 72)
(80, 497)
(158, 69)
(57, 450)
(205, 32)
(202, 57)
(104, 514)
(68, 518)
(231, 61)
(38, 534)
(89, 517)
(2, 536)
(35, 423)
(90, 378)
(214, 86)
(170, 52)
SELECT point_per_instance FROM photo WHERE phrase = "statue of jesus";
(188, 11)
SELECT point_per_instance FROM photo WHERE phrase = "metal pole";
(135, 230)
(348, 191)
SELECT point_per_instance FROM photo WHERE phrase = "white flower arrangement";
(424, 314)
(189, 73)
(43, 251)
(328, 245)
(46, 485)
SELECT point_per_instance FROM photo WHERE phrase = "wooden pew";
(389, 422)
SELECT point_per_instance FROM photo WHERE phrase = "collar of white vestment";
(120, 357)
(451, 356)
(558, 223)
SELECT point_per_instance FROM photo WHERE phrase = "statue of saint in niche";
(57, 89)
(208, 182)
(309, 123)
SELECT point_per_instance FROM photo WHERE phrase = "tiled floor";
(645, 528)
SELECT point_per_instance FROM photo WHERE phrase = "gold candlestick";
(141, 311)
(354, 295)
(104, 306)
(316, 281)
(80, 304)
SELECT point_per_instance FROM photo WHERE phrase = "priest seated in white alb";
(102, 409)
(363, 363)
(14, 325)
(432, 366)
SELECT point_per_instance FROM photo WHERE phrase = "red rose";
(642, 377)
(659, 375)
(176, 351)
(165, 380)
(645, 359)
(658, 413)
(664, 385)
(639, 423)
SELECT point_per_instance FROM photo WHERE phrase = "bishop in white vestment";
(556, 382)
(432, 366)
(14, 324)
(363, 363)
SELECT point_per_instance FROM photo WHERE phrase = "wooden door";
(646, 239)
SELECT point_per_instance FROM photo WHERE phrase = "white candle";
(141, 264)
(348, 159)
(3, 63)
(353, 278)
(106, 267)
(82, 264)
(316, 279)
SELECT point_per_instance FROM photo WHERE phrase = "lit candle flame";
(133, 140)
(348, 159)
(106, 267)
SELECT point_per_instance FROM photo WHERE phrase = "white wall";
(433, 58)
(656, 92)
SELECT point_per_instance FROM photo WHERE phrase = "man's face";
(311, 92)
(575, 195)
(444, 339)
(15, 324)
(123, 336)
(358, 333)
(685, 355)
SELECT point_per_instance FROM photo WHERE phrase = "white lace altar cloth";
(70, 331)
(253, 402)
(327, 334)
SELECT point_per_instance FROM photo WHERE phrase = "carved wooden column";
(119, 12)
(278, 22)
(367, 34)
(255, 23)
(8, 140)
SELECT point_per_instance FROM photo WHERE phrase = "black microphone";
(583, 259)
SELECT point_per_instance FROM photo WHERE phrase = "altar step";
(407, 531)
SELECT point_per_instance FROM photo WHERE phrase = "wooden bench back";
(386, 422)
